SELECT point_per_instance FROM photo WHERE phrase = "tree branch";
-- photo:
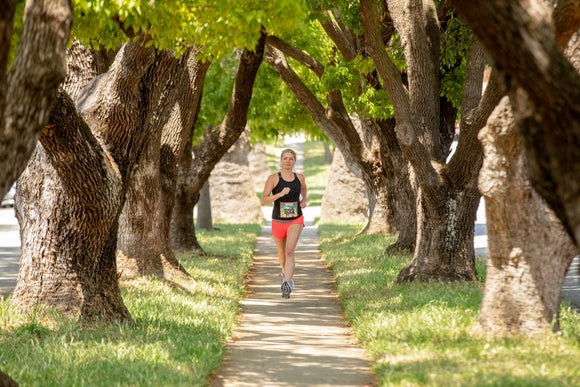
(336, 31)
(122, 85)
(217, 142)
(333, 121)
(477, 109)
(38, 69)
(299, 55)
(413, 150)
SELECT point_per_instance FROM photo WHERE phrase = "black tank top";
(288, 206)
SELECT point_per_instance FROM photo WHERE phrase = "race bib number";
(288, 209)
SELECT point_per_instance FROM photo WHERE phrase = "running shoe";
(291, 281)
(286, 289)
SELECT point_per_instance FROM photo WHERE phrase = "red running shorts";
(280, 229)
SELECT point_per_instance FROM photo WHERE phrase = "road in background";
(9, 250)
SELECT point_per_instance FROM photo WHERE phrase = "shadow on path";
(301, 341)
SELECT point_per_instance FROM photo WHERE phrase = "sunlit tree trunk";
(73, 190)
(528, 250)
(68, 228)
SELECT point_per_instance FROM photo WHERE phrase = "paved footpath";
(301, 341)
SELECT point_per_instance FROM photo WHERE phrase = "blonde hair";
(288, 150)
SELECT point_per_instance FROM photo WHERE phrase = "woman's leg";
(281, 246)
(294, 232)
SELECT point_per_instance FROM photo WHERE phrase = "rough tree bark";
(528, 251)
(73, 190)
(28, 91)
(215, 144)
(522, 44)
(144, 246)
(186, 197)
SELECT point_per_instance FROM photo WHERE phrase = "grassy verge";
(316, 171)
(425, 334)
(178, 337)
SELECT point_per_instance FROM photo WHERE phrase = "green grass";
(316, 171)
(425, 334)
(178, 337)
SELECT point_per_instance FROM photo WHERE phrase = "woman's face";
(287, 160)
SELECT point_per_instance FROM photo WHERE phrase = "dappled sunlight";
(303, 339)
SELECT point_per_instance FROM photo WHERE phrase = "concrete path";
(301, 341)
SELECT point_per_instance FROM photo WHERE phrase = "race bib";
(288, 209)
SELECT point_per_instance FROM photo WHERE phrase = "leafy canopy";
(215, 25)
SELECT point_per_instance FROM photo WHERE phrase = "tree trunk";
(29, 90)
(186, 197)
(327, 153)
(204, 220)
(403, 201)
(379, 211)
(445, 237)
(447, 194)
(73, 191)
(399, 191)
(345, 196)
(522, 43)
(70, 200)
(445, 211)
(528, 251)
(231, 183)
(144, 246)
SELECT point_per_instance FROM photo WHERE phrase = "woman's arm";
(303, 190)
(267, 197)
